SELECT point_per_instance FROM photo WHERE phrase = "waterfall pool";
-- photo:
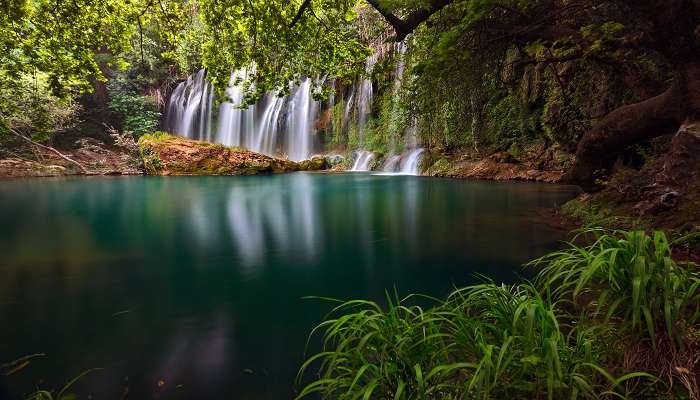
(193, 287)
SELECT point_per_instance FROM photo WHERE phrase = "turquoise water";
(192, 287)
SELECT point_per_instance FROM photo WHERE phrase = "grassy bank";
(615, 319)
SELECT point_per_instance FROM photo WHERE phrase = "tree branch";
(297, 17)
(404, 27)
(49, 148)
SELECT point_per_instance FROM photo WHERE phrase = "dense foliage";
(28, 107)
(483, 73)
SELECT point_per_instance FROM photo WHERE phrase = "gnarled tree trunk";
(634, 123)
(674, 32)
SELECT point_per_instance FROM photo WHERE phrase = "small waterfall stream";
(410, 166)
(407, 163)
(362, 161)
(366, 92)
(392, 164)
(301, 114)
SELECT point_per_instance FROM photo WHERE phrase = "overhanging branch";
(299, 14)
(403, 27)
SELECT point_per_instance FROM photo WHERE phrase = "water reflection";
(212, 271)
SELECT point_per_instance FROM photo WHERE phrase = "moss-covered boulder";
(314, 164)
(164, 154)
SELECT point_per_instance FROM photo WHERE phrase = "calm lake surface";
(192, 287)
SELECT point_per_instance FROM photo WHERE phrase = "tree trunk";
(660, 115)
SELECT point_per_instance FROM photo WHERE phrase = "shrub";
(28, 106)
(139, 113)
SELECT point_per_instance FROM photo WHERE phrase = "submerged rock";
(164, 154)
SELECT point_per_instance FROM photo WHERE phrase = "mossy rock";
(314, 164)
(164, 154)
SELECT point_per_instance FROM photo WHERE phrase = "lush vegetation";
(488, 75)
(613, 319)
(603, 80)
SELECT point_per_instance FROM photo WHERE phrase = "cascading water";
(405, 164)
(189, 111)
(362, 161)
(392, 164)
(348, 105)
(285, 126)
(359, 105)
(400, 48)
(274, 126)
(300, 118)
(410, 165)
(235, 122)
(265, 138)
(366, 94)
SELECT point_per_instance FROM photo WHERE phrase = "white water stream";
(275, 126)
(362, 161)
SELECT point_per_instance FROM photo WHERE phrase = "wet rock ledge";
(164, 154)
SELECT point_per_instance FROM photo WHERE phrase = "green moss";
(590, 211)
(152, 163)
(441, 166)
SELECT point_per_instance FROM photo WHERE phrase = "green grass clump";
(151, 161)
(629, 277)
(483, 342)
(577, 333)
(156, 136)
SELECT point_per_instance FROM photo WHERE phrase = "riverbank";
(659, 189)
(90, 156)
(164, 154)
(154, 154)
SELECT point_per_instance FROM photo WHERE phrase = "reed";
(483, 342)
(572, 334)
(629, 277)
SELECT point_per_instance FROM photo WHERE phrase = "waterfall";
(392, 164)
(410, 165)
(362, 93)
(189, 110)
(301, 114)
(235, 122)
(348, 105)
(405, 164)
(366, 94)
(362, 161)
(274, 126)
(280, 126)
(265, 139)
